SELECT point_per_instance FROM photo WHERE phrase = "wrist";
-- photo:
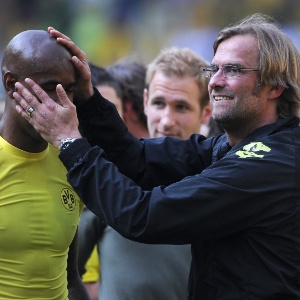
(74, 152)
(65, 143)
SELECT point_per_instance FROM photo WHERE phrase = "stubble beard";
(236, 120)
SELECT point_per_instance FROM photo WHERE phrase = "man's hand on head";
(51, 120)
(84, 88)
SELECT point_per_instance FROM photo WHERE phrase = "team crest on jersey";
(68, 199)
(254, 149)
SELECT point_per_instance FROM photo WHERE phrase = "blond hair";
(181, 62)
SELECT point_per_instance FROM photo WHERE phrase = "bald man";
(39, 210)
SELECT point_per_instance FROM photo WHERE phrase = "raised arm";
(147, 162)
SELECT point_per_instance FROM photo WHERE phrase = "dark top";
(238, 207)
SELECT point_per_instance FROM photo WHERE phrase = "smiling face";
(172, 106)
(238, 103)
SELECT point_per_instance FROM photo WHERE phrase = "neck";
(20, 138)
(137, 129)
(241, 131)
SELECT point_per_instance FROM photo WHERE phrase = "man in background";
(131, 77)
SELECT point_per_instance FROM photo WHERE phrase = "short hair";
(279, 61)
(131, 77)
(100, 76)
(181, 62)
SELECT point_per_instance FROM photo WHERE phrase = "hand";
(84, 88)
(51, 120)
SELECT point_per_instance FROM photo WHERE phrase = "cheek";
(191, 123)
(153, 114)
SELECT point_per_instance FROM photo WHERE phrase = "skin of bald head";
(35, 51)
(37, 55)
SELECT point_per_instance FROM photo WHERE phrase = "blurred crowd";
(108, 30)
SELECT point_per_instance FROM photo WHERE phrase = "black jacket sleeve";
(236, 192)
(141, 159)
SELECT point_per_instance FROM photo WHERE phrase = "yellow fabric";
(39, 214)
(92, 268)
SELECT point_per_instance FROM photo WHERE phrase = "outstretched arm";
(140, 160)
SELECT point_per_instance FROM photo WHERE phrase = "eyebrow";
(237, 64)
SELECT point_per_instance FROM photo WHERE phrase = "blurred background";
(110, 30)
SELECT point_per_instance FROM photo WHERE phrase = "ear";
(127, 110)
(206, 113)
(145, 100)
(275, 91)
(9, 80)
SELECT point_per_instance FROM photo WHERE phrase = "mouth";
(222, 98)
(163, 134)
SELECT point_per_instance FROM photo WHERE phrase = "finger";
(23, 106)
(22, 102)
(30, 99)
(57, 34)
(67, 42)
(23, 113)
(81, 67)
(39, 93)
(64, 100)
(71, 46)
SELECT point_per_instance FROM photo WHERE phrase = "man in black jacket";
(235, 198)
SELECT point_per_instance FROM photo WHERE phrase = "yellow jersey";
(39, 214)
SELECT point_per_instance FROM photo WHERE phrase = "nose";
(168, 118)
(217, 80)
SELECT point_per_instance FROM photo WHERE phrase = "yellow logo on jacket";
(254, 149)
(68, 199)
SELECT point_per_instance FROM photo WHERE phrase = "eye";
(49, 89)
(210, 71)
(182, 107)
(158, 103)
(69, 90)
(231, 70)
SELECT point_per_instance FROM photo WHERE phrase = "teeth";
(218, 98)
